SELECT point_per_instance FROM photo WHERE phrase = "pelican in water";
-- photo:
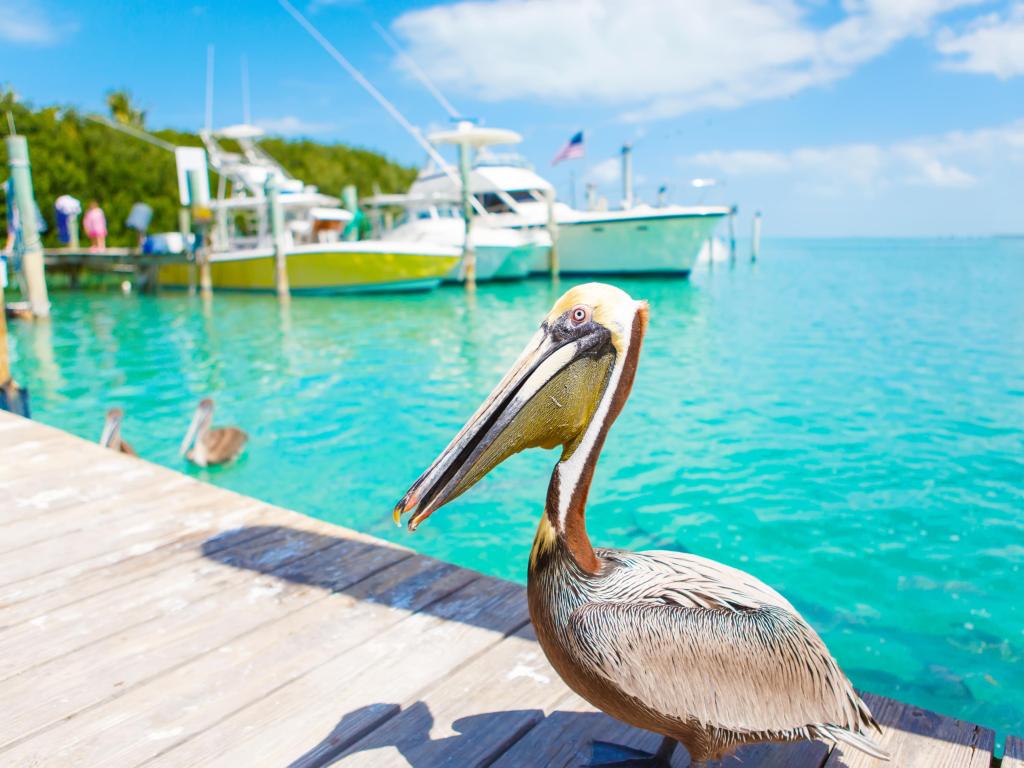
(111, 435)
(218, 445)
(703, 654)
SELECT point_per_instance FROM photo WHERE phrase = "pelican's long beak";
(546, 399)
(193, 430)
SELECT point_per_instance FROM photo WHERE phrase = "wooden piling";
(185, 229)
(200, 217)
(552, 225)
(277, 231)
(350, 201)
(12, 397)
(755, 240)
(732, 234)
(32, 246)
(468, 253)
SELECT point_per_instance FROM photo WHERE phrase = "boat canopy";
(475, 136)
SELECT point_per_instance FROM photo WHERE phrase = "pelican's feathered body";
(699, 652)
(205, 445)
(111, 435)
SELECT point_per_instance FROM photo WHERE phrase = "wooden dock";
(150, 619)
(126, 262)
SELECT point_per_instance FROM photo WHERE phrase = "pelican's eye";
(579, 314)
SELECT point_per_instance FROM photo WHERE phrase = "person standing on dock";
(95, 225)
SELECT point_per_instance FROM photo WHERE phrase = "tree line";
(73, 155)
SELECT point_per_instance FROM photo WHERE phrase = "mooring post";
(755, 240)
(549, 198)
(185, 228)
(732, 233)
(627, 176)
(468, 253)
(73, 232)
(350, 202)
(12, 397)
(200, 219)
(32, 247)
(277, 231)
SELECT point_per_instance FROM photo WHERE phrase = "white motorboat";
(637, 239)
(502, 253)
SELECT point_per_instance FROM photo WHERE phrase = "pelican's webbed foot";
(604, 754)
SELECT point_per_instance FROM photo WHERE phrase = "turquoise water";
(845, 419)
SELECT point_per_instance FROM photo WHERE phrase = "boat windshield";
(492, 202)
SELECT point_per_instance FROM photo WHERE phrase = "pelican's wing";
(761, 671)
(224, 443)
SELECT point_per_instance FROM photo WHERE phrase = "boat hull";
(347, 268)
(642, 245)
(489, 259)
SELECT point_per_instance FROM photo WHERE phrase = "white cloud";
(991, 44)
(290, 125)
(605, 172)
(958, 159)
(654, 59)
(26, 22)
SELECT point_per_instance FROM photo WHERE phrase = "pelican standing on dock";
(701, 653)
(111, 435)
(218, 445)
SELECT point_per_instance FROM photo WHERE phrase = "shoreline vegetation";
(73, 155)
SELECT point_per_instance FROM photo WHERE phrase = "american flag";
(572, 150)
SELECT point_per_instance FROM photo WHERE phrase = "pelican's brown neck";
(565, 508)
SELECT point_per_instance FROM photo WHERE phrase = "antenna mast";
(209, 88)
(417, 72)
(390, 108)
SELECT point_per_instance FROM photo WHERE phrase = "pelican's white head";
(565, 390)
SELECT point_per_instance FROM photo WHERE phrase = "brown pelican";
(211, 446)
(701, 653)
(111, 435)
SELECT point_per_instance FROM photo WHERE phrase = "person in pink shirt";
(95, 225)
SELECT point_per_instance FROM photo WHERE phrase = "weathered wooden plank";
(470, 718)
(64, 475)
(1013, 752)
(67, 629)
(917, 738)
(156, 526)
(60, 586)
(236, 667)
(332, 706)
(51, 592)
(565, 738)
(79, 517)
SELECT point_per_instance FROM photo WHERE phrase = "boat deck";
(147, 618)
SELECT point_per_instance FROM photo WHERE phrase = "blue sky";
(871, 117)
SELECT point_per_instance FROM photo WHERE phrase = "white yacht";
(635, 239)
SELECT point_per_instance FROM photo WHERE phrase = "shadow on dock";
(377, 573)
(527, 737)
(378, 726)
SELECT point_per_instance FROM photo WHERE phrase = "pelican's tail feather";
(858, 740)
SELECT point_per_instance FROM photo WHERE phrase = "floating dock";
(149, 618)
